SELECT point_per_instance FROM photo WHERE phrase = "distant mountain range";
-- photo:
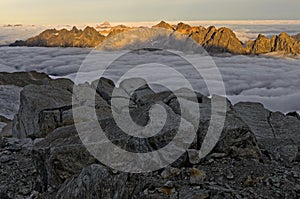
(222, 40)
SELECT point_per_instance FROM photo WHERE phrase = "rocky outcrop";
(164, 25)
(276, 133)
(224, 40)
(11, 84)
(41, 102)
(297, 37)
(261, 45)
(281, 43)
(59, 156)
(256, 155)
(22, 79)
(88, 37)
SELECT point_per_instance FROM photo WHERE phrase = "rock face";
(165, 25)
(89, 37)
(95, 181)
(11, 84)
(222, 40)
(22, 79)
(59, 157)
(40, 103)
(281, 43)
(255, 157)
(297, 37)
(274, 131)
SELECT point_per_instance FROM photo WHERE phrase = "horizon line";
(221, 21)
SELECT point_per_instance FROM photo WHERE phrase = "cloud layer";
(274, 82)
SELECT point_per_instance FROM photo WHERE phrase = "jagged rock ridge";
(88, 37)
(213, 40)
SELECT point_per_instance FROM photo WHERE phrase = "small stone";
(249, 182)
(297, 188)
(197, 177)
(288, 153)
(229, 175)
(194, 157)
(167, 190)
(218, 155)
(170, 172)
(5, 159)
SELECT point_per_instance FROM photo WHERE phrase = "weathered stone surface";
(104, 87)
(36, 99)
(9, 102)
(22, 79)
(17, 170)
(257, 117)
(273, 129)
(95, 181)
(59, 156)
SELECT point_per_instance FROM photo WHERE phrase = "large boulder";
(60, 156)
(94, 181)
(11, 84)
(273, 130)
(44, 108)
(39, 102)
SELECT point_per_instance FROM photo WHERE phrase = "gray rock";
(36, 99)
(9, 101)
(197, 177)
(273, 130)
(170, 172)
(257, 117)
(194, 157)
(95, 181)
(104, 87)
(288, 153)
(17, 171)
(5, 159)
(190, 193)
(22, 79)
(6, 130)
(59, 156)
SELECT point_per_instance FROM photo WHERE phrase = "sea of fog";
(274, 82)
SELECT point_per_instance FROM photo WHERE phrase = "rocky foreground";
(212, 39)
(42, 155)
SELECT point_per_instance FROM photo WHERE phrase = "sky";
(91, 11)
